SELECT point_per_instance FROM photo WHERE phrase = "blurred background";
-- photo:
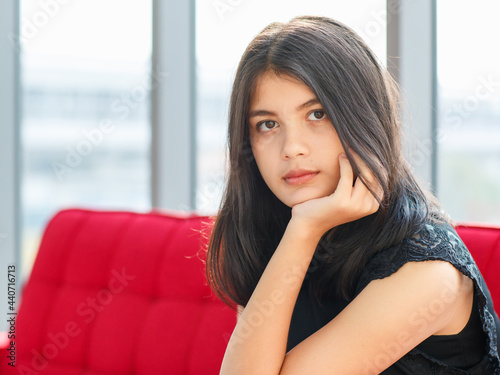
(86, 134)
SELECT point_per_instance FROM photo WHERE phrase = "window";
(468, 134)
(85, 102)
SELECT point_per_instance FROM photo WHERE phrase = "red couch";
(115, 293)
(120, 293)
(483, 241)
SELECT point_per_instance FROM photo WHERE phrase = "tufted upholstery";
(120, 293)
(125, 293)
(484, 244)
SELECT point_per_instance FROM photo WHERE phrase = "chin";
(301, 197)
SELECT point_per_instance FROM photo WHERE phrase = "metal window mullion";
(10, 167)
(173, 148)
(411, 56)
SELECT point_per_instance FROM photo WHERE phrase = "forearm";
(258, 343)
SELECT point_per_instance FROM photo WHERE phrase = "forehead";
(272, 88)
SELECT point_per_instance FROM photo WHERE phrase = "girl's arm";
(384, 322)
(388, 319)
(258, 343)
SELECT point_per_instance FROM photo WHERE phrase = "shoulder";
(433, 293)
(434, 241)
(429, 275)
(437, 290)
(417, 301)
(388, 318)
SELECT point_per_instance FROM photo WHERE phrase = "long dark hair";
(361, 100)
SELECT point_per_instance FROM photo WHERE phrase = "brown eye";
(317, 115)
(266, 125)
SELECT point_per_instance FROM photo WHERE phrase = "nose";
(294, 143)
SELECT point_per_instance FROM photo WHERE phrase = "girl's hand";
(346, 204)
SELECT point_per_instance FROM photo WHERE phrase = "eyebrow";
(263, 112)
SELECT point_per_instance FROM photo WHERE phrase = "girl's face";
(294, 144)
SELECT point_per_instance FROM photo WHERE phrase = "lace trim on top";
(438, 242)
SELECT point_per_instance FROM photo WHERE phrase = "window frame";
(411, 56)
(10, 149)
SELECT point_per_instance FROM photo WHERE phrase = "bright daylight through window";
(85, 117)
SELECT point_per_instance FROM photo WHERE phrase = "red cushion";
(125, 293)
(484, 244)
(120, 293)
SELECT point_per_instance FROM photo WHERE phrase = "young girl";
(339, 262)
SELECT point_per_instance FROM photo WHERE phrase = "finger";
(367, 176)
(360, 192)
(364, 171)
(371, 203)
(344, 186)
(379, 192)
(363, 199)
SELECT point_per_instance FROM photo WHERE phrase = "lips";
(299, 176)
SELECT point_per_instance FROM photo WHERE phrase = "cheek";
(266, 163)
(330, 152)
(260, 156)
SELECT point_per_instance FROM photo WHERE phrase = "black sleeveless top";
(472, 351)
